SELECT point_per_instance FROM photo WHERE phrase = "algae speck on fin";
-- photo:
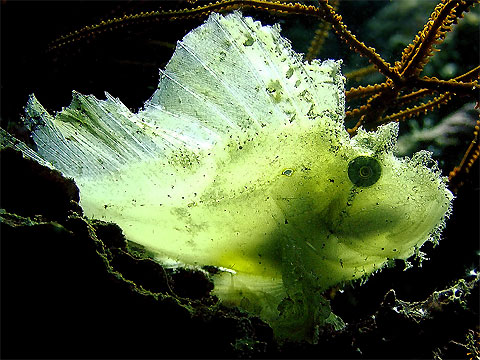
(240, 160)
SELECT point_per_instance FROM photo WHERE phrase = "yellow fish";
(240, 160)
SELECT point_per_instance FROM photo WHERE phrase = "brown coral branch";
(468, 76)
(196, 12)
(457, 175)
(360, 73)
(402, 79)
(355, 44)
(352, 131)
(415, 111)
(457, 87)
(320, 35)
(317, 42)
(358, 111)
(417, 54)
(103, 26)
(402, 100)
(363, 91)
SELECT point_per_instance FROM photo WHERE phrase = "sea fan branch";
(415, 111)
(199, 11)
(468, 76)
(355, 44)
(457, 87)
(360, 73)
(320, 35)
(363, 91)
(417, 54)
(456, 176)
(358, 111)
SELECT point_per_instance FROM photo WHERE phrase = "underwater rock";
(240, 161)
(70, 289)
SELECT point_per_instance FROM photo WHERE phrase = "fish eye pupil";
(364, 171)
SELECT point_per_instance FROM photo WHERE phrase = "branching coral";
(382, 103)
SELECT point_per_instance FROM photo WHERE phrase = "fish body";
(240, 160)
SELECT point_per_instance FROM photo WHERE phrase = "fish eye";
(364, 171)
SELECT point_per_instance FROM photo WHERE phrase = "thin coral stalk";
(417, 55)
(456, 176)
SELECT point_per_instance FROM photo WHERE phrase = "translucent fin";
(93, 137)
(230, 76)
(90, 136)
(235, 76)
(8, 141)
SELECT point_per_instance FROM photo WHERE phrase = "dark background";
(125, 63)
